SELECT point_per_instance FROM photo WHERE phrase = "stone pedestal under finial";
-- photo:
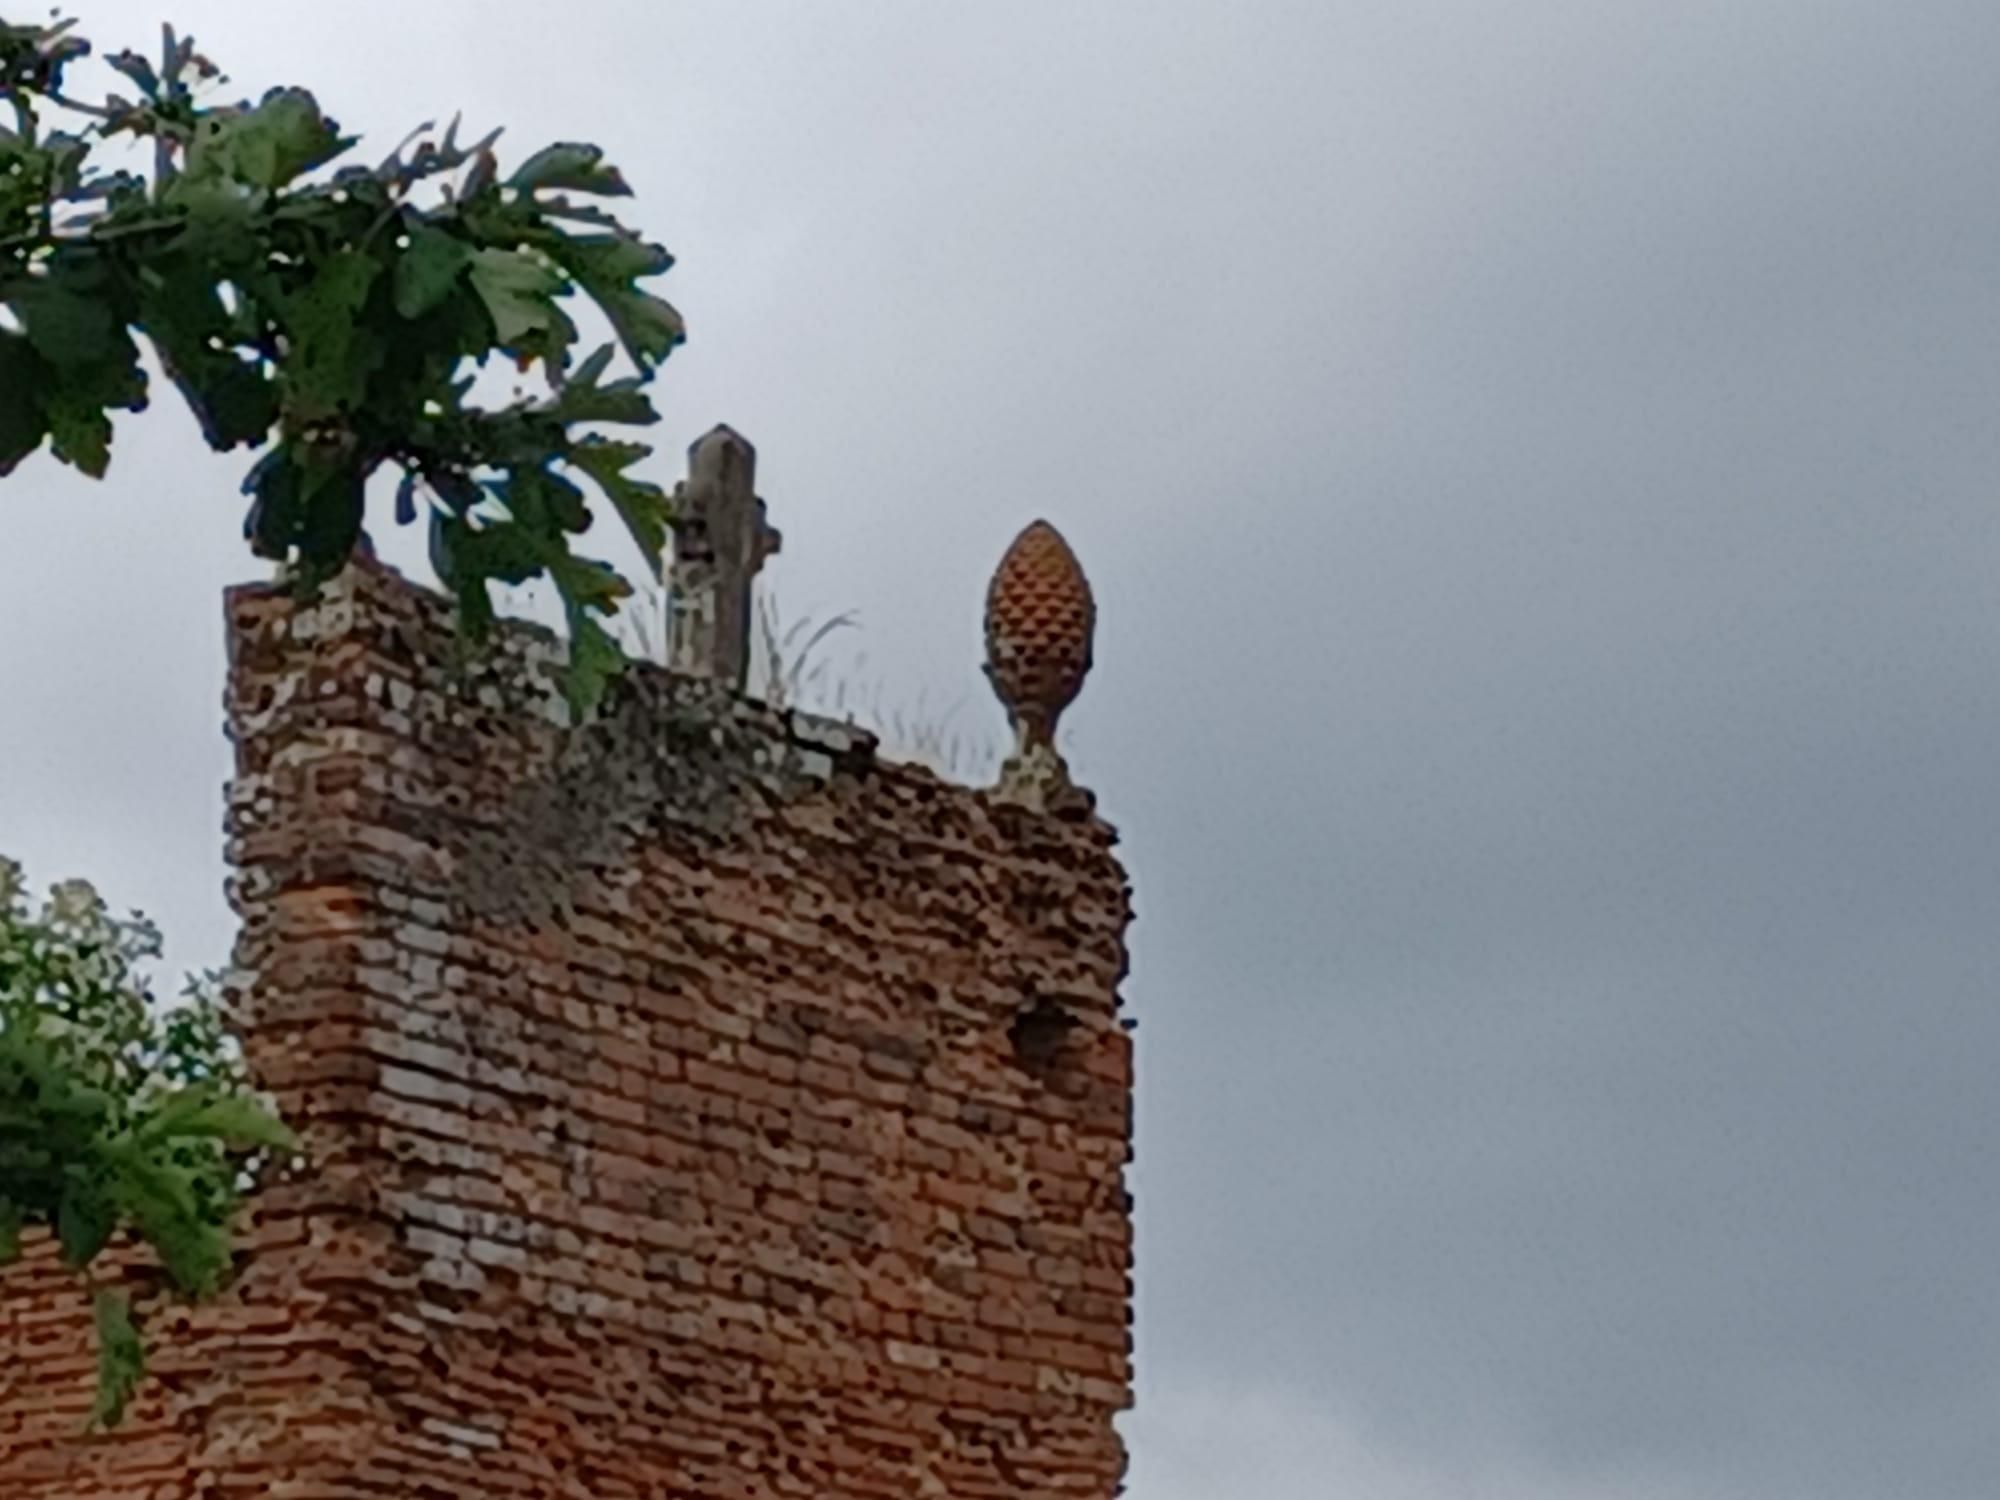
(1040, 625)
(721, 539)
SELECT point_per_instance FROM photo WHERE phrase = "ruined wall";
(699, 1107)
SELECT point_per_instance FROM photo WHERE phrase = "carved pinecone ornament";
(1040, 623)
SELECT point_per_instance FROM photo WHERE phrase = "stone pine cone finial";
(1040, 625)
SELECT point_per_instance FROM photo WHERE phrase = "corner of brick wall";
(698, 1105)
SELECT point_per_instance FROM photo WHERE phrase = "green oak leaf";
(586, 583)
(69, 326)
(428, 270)
(306, 503)
(583, 399)
(79, 432)
(268, 145)
(276, 508)
(567, 165)
(72, 318)
(448, 535)
(519, 292)
(220, 219)
(641, 505)
(333, 350)
(23, 423)
(505, 551)
(332, 501)
(230, 394)
(87, 363)
(546, 502)
(139, 70)
(606, 267)
(595, 662)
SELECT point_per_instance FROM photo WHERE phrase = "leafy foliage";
(117, 1115)
(331, 320)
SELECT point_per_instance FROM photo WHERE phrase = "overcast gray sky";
(1539, 468)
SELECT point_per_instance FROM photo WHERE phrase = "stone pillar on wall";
(698, 1105)
(721, 539)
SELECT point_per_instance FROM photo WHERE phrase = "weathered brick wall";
(699, 1107)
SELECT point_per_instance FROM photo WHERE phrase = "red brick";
(670, 1137)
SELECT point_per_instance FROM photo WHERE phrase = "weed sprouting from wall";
(792, 667)
(787, 669)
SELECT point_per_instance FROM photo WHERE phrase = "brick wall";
(699, 1107)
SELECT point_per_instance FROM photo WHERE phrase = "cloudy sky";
(1539, 468)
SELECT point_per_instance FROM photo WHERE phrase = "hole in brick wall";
(1040, 1035)
(451, 1298)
